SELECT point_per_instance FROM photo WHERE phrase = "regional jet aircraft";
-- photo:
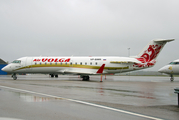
(85, 66)
(171, 69)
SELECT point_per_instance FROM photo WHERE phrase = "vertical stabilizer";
(152, 50)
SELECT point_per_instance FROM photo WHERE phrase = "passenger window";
(80, 63)
(66, 63)
(50, 63)
(55, 63)
(90, 63)
(40, 63)
(35, 63)
(96, 63)
(85, 63)
(45, 63)
(61, 63)
(76, 63)
(71, 63)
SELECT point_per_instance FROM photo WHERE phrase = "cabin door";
(29, 64)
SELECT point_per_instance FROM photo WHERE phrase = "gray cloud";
(87, 27)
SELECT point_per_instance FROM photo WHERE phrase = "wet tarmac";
(37, 97)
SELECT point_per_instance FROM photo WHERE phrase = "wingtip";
(101, 69)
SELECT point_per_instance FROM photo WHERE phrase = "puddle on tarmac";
(102, 91)
(32, 98)
(27, 97)
(5, 118)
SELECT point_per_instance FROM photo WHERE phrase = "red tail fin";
(151, 51)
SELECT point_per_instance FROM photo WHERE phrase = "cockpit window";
(174, 63)
(16, 61)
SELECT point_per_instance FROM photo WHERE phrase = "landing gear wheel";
(171, 79)
(14, 76)
(56, 76)
(52, 75)
(85, 78)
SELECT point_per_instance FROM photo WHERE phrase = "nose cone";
(6, 69)
(166, 69)
(162, 70)
(2, 69)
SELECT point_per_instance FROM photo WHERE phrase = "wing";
(83, 71)
(124, 62)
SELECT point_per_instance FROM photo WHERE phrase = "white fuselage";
(74, 65)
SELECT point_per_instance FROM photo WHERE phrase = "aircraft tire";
(85, 78)
(171, 78)
(14, 77)
(56, 76)
(52, 75)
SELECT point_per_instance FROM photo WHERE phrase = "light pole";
(129, 56)
(128, 52)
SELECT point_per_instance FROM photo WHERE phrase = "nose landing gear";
(14, 76)
(171, 78)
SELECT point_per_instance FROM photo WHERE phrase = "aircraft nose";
(162, 70)
(165, 69)
(5, 69)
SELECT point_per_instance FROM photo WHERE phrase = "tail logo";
(151, 53)
(147, 59)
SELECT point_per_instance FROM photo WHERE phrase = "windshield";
(173, 63)
(16, 61)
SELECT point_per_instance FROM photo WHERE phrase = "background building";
(2, 64)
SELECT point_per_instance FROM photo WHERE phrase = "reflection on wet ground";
(120, 92)
(117, 92)
(103, 90)
(27, 97)
(148, 95)
(5, 118)
(32, 98)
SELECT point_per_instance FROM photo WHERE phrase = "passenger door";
(28, 64)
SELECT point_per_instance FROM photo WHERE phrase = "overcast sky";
(87, 28)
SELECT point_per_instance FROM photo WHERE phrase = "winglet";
(101, 69)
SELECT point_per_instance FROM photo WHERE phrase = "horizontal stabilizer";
(163, 40)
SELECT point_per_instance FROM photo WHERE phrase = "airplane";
(85, 66)
(172, 69)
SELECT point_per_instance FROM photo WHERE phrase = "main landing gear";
(52, 75)
(85, 78)
(14, 76)
(171, 78)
